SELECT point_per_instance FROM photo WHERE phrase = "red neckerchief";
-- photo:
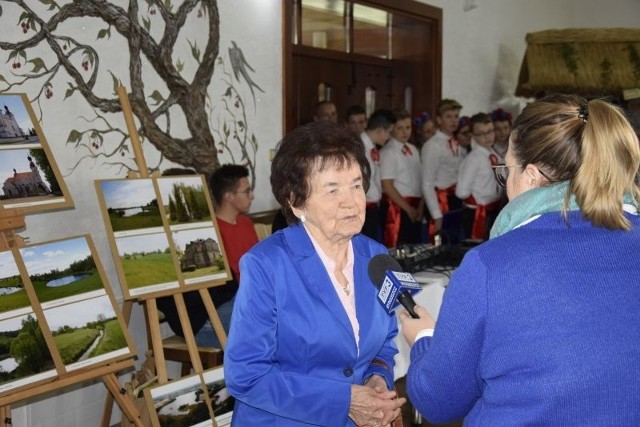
(406, 150)
(375, 155)
(454, 146)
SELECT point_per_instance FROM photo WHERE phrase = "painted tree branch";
(197, 151)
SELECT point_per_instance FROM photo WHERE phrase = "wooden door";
(413, 60)
(348, 82)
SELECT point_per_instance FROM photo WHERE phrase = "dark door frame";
(408, 8)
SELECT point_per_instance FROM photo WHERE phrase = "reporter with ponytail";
(540, 325)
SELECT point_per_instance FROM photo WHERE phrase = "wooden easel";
(10, 222)
(151, 315)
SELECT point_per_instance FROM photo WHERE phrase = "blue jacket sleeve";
(443, 381)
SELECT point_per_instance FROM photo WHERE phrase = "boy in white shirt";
(477, 186)
(374, 138)
(400, 173)
(441, 159)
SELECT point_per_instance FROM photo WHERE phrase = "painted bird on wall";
(240, 65)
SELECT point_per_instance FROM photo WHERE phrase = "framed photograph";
(58, 313)
(14, 300)
(25, 360)
(29, 177)
(190, 401)
(163, 234)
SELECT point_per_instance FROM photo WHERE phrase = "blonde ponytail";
(609, 162)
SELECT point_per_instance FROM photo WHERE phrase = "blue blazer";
(291, 356)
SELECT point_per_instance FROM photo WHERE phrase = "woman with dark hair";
(540, 325)
(309, 344)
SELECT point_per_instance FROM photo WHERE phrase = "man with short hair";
(374, 137)
(326, 111)
(502, 128)
(357, 118)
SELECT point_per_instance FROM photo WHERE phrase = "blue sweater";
(540, 326)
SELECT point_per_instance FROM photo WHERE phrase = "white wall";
(484, 47)
(256, 27)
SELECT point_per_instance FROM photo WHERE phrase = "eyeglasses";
(483, 134)
(502, 173)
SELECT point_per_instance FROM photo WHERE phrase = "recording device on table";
(395, 287)
(449, 248)
(417, 256)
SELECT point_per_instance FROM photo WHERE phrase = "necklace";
(346, 288)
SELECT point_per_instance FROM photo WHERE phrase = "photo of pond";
(132, 204)
(66, 280)
(61, 269)
(24, 356)
(13, 295)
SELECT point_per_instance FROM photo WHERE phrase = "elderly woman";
(309, 343)
(541, 324)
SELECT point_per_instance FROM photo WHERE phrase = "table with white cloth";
(433, 284)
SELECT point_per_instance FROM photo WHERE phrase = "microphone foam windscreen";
(378, 267)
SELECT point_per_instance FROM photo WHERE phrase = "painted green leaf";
(74, 137)
(103, 33)
(146, 22)
(116, 83)
(68, 93)
(38, 64)
(157, 97)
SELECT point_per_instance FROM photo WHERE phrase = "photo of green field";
(132, 204)
(199, 254)
(24, 355)
(184, 199)
(61, 269)
(85, 330)
(146, 260)
(13, 296)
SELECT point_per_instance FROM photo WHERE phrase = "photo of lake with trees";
(24, 355)
(182, 402)
(61, 269)
(13, 295)
(132, 204)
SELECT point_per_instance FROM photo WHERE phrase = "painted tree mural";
(170, 70)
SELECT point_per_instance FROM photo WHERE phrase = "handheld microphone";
(395, 286)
